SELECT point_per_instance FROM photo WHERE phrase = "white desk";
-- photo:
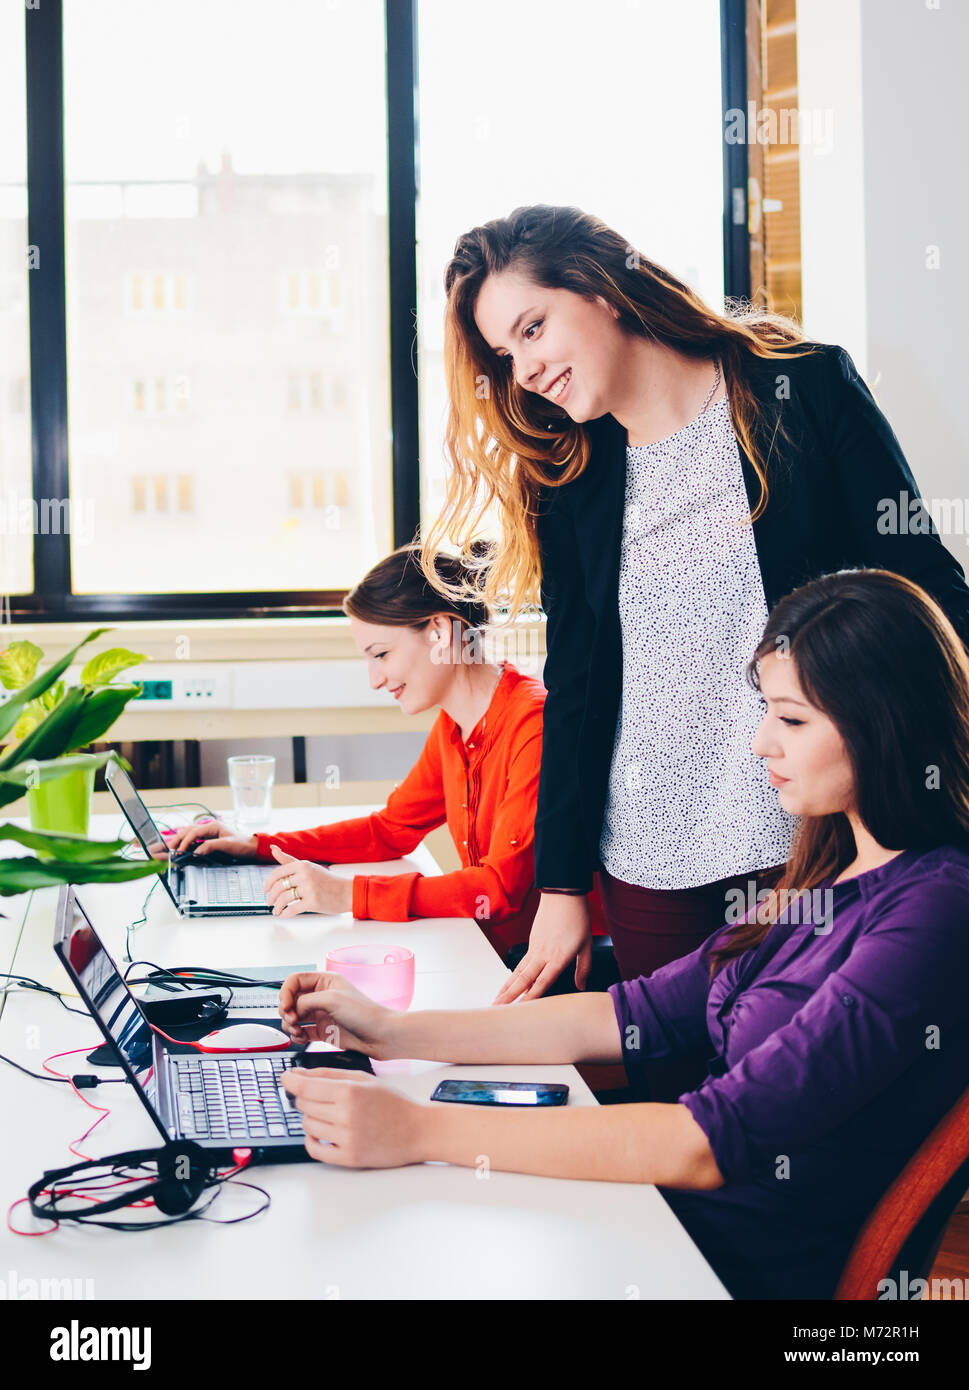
(425, 1231)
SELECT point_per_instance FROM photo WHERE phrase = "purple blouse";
(839, 1041)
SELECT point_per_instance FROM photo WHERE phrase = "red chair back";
(901, 1237)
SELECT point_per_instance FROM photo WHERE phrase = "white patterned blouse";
(689, 802)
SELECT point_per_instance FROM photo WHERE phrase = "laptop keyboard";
(227, 885)
(233, 1098)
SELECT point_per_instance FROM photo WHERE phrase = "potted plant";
(51, 721)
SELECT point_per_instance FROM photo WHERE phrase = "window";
(315, 293)
(243, 281)
(162, 493)
(16, 490)
(160, 395)
(641, 68)
(160, 293)
(319, 489)
(214, 240)
(183, 484)
(315, 391)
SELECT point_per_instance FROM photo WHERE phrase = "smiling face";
(544, 335)
(805, 754)
(409, 662)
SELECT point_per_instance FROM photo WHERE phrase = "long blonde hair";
(503, 444)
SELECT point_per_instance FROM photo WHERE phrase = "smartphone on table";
(502, 1092)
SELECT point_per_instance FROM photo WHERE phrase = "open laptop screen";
(138, 816)
(102, 988)
(136, 812)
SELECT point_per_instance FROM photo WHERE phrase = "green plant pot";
(62, 804)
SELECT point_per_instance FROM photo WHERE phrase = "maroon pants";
(651, 927)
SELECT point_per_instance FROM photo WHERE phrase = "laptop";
(221, 1101)
(197, 890)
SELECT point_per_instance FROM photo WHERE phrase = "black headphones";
(185, 1171)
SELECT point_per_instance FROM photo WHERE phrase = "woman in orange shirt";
(478, 771)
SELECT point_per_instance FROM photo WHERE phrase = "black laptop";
(197, 889)
(222, 1101)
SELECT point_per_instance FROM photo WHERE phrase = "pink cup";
(384, 974)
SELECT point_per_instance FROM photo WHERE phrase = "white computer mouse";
(245, 1037)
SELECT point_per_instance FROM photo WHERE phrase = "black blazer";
(824, 487)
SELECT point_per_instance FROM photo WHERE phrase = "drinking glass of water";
(251, 777)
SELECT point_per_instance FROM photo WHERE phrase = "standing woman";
(663, 474)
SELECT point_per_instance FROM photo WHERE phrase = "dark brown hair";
(877, 655)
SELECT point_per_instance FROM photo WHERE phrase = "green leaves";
(47, 720)
(23, 875)
(103, 668)
(31, 773)
(74, 849)
(100, 710)
(51, 737)
(11, 710)
(67, 858)
(18, 664)
(27, 722)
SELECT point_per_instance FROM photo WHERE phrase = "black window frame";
(52, 599)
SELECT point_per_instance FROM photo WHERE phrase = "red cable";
(105, 1111)
(243, 1156)
(283, 1045)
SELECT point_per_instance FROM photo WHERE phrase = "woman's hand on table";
(561, 931)
(324, 1007)
(316, 888)
(206, 836)
(352, 1121)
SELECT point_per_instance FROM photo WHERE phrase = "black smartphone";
(346, 1060)
(502, 1092)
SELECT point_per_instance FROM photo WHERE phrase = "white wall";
(893, 187)
(356, 757)
(832, 179)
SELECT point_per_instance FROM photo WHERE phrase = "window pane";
(17, 510)
(621, 116)
(227, 260)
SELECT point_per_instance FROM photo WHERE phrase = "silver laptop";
(196, 889)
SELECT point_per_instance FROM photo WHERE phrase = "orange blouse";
(486, 790)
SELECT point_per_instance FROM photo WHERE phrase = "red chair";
(906, 1228)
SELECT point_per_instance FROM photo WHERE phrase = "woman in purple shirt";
(833, 1009)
